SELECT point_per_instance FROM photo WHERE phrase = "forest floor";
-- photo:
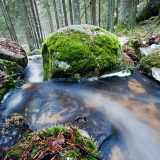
(143, 28)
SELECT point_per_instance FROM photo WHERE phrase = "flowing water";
(123, 114)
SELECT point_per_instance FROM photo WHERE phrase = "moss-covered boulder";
(150, 61)
(151, 9)
(13, 52)
(81, 51)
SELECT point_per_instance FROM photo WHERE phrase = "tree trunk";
(32, 24)
(76, 9)
(65, 13)
(110, 15)
(93, 5)
(71, 13)
(60, 14)
(127, 15)
(26, 24)
(56, 13)
(99, 15)
(8, 21)
(49, 16)
(116, 10)
(37, 31)
(38, 20)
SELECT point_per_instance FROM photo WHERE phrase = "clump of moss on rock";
(150, 61)
(80, 51)
(58, 142)
(11, 68)
(6, 83)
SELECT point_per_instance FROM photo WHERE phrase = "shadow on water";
(122, 113)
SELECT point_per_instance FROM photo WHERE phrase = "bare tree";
(65, 12)
(110, 15)
(26, 23)
(76, 9)
(93, 6)
(56, 13)
(49, 15)
(127, 15)
(71, 13)
(8, 21)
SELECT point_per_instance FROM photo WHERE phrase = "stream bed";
(123, 113)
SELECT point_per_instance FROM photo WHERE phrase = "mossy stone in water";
(152, 60)
(11, 68)
(80, 51)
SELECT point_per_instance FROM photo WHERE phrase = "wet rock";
(81, 51)
(151, 9)
(12, 128)
(130, 52)
(148, 50)
(156, 73)
(13, 60)
(13, 52)
(151, 63)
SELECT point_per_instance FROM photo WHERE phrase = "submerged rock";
(81, 51)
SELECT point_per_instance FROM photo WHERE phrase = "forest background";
(29, 22)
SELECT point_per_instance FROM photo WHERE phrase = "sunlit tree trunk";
(76, 9)
(8, 21)
(128, 10)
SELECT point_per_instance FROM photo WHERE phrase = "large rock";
(13, 60)
(151, 9)
(81, 51)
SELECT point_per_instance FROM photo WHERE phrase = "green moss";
(75, 54)
(3, 91)
(7, 85)
(75, 153)
(121, 28)
(34, 141)
(152, 60)
(134, 43)
(11, 68)
(34, 151)
(55, 130)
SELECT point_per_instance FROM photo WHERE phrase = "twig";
(78, 118)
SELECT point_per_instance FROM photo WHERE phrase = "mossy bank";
(81, 51)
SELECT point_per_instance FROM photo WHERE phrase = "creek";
(123, 113)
